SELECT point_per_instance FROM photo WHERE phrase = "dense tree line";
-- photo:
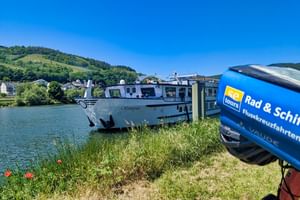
(34, 72)
(30, 94)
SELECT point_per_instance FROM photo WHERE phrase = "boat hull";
(118, 113)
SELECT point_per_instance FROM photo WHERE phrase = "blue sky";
(161, 37)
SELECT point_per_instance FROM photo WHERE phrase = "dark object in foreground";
(260, 120)
(262, 105)
(244, 149)
(270, 197)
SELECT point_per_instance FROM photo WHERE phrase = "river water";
(31, 133)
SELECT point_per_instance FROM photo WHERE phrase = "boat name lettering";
(131, 108)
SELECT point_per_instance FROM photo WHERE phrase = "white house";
(8, 88)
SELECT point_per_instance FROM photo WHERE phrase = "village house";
(8, 88)
(79, 84)
(68, 86)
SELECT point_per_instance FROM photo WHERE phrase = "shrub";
(32, 94)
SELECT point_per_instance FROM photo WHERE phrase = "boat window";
(133, 90)
(148, 92)
(210, 105)
(180, 109)
(181, 92)
(115, 93)
(127, 90)
(170, 91)
(189, 92)
(209, 92)
(215, 92)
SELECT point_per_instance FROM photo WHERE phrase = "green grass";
(220, 177)
(185, 161)
(7, 101)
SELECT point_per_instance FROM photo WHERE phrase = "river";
(31, 133)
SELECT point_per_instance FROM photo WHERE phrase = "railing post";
(198, 101)
(195, 101)
(202, 100)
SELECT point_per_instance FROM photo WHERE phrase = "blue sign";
(265, 113)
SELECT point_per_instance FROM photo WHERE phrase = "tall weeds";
(106, 161)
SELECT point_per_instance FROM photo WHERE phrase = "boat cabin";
(165, 91)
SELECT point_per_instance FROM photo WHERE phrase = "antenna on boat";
(88, 91)
(176, 78)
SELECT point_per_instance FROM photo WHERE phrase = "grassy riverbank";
(7, 101)
(184, 162)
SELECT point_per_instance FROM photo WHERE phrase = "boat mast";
(88, 90)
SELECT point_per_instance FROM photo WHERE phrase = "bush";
(55, 91)
(32, 94)
(98, 92)
(3, 95)
(72, 93)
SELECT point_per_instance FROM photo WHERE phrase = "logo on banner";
(233, 98)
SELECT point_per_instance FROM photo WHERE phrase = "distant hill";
(217, 76)
(19, 63)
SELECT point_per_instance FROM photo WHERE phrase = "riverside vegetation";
(25, 64)
(30, 94)
(185, 161)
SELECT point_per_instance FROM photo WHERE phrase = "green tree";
(6, 79)
(55, 91)
(32, 94)
(36, 96)
(150, 78)
(98, 92)
(72, 93)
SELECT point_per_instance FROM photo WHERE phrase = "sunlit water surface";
(31, 133)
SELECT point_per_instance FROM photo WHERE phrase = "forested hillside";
(21, 63)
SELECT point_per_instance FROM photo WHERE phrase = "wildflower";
(28, 175)
(59, 162)
(7, 173)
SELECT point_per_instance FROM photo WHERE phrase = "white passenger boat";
(130, 105)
